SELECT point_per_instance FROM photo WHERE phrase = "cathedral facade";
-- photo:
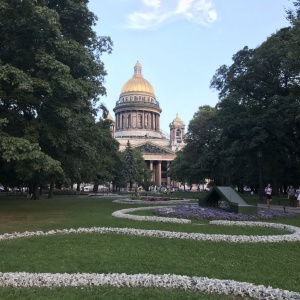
(137, 120)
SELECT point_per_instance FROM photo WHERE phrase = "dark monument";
(237, 204)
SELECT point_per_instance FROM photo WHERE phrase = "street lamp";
(260, 190)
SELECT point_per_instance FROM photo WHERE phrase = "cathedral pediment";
(149, 148)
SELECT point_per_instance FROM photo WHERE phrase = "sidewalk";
(281, 207)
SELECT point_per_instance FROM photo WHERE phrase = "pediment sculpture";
(151, 149)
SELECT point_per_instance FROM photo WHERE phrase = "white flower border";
(293, 237)
(205, 285)
(123, 213)
(200, 284)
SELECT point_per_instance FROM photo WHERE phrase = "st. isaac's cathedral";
(137, 120)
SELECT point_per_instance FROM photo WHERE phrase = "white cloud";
(183, 6)
(157, 12)
(139, 20)
(152, 3)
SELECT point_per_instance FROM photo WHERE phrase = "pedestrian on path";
(268, 191)
(291, 195)
(298, 197)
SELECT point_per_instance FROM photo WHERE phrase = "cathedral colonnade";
(160, 170)
(137, 119)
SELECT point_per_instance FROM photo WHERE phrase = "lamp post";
(260, 190)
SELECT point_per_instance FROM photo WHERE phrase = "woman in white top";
(268, 191)
(298, 197)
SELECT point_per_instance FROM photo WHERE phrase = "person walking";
(268, 191)
(297, 196)
(291, 195)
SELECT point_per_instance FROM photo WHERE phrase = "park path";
(281, 207)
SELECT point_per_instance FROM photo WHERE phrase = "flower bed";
(123, 213)
(156, 199)
(200, 284)
(197, 212)
(130, 201)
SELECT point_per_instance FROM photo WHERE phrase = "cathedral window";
(178, 133)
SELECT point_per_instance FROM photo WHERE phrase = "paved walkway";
(281, 207)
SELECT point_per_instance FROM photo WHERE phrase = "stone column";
(151, 168)
(151, 120)
(168, 178)
(158, 173)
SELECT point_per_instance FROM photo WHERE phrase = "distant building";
(137, 120)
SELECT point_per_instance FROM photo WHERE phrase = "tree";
(135, 169)
(51, 76)
(131, 166)
(143, 174)
(259, 108)
(180, 168)
(199, 159)
(118, 171)
(30, 164)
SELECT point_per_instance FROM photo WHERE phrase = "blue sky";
(180, 45)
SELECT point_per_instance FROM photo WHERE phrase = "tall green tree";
(259, 107)
(28, 162)
(119, 177)
(131, 165)
(144, 174)
(51, 76)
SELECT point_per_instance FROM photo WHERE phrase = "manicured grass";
(266, 264)
(107, 293)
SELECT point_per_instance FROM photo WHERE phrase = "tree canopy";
(257, 118)
(51, 77)
(134, 167)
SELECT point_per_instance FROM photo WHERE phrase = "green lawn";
(276, 264)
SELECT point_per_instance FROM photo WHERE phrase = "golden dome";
(137, 83)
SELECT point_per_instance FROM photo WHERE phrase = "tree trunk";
(35, 192)
(50, 195)
(95, 188)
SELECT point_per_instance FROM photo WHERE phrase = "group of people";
(293, 195)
